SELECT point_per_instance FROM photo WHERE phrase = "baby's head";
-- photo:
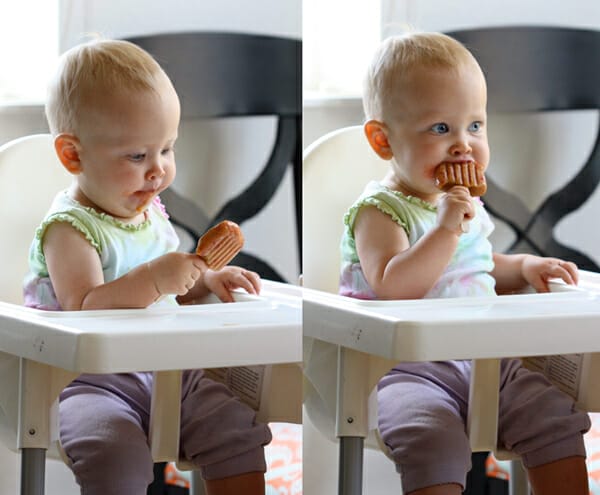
(87, 74)
(114, 115)
(425, 103)
(397, 60)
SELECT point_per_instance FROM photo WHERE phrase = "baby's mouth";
(144, 197)
(469, 174)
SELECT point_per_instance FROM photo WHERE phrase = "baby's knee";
(116, 450)
(540, 422)
(219, 433)
(429, 451)
(433, 432)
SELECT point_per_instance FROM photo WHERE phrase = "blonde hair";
(397, 56)
(93, 67)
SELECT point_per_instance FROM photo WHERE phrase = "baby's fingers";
(567, 271)
(247, 280)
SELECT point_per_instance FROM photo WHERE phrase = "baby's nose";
(460, 147)
(155, 172)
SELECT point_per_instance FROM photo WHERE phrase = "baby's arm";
(76, 274)
(514, 271)
(393, 269)
(396, 270)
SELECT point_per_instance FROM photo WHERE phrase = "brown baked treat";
(468, 174)
(219, 245)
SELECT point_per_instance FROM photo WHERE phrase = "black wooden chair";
(539, 69)
(220, 75)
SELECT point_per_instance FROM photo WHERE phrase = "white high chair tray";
(562, 322)
(263, 329)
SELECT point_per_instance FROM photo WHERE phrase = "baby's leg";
(539, 423)
(219, 434)
(557, 478)
(251, 483)
(102, 431)
(422, 409)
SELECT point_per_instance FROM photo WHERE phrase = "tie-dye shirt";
(120, 246)
(467, 273)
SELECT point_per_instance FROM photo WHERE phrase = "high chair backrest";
(30, 177)
(336, 169)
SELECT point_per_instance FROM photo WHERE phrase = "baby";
(425, 104)
(106, 242)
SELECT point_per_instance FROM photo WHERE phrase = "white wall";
(136, 17)
(444, 15)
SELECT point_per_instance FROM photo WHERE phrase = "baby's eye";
(475, 126)
(440, 128)
(166, 151)
(137, 157)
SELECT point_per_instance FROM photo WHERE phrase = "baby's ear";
(67, 150)
(376, 133)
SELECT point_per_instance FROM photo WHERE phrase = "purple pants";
(423, 411)
(104, 426)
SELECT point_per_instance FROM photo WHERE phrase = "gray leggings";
(423, 410)
(104, 426)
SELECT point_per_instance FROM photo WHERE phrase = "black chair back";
(538, 69)
(217, 75)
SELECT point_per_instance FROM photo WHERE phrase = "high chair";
(42, 351)
(352, 343)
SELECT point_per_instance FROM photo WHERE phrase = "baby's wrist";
(454, 232)
(157, 291)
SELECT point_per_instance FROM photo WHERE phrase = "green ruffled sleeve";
(380, 202)
(36, 254)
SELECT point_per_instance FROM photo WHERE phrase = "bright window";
(28, 49)
(339, 38)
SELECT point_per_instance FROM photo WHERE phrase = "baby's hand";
(176, 273)
(223, 281)
(454, 208)
(537, 271)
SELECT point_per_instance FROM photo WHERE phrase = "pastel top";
(120, 246)
(467, 274)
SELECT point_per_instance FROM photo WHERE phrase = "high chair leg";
(197, 484)
(352, 418)
(33, 468)
(351, 466)
(517, 483)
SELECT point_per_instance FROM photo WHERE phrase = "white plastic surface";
(460, 328)
(256, 330)
(30, 177)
